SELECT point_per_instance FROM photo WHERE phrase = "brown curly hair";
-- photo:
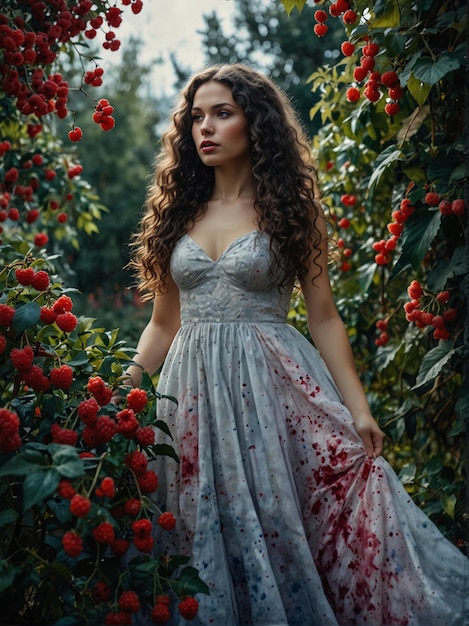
(283, 175)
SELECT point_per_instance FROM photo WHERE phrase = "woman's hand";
(371, 434)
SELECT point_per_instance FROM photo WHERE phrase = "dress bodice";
(238, 286)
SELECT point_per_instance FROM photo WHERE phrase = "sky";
(171, 26)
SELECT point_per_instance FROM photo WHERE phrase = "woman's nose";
(206, 127)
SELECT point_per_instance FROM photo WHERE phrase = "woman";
(282, 498)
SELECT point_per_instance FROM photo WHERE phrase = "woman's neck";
(233, 183)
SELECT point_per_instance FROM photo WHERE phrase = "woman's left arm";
(330, 338)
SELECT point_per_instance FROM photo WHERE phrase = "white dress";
(285, 518)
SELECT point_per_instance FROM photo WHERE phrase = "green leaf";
(448, 503)
(166, 450)
(67, 461)
(384, 160)
(38, 486)
(8, 517)
(190, 583)
(7, 574)
(430, 71)
(26, 316)
(389, 19)
(407, 473)
(433, 363)
(293, 4)
(420, 230)
(418, 89)
(24, 463)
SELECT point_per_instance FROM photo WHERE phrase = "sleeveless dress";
(283, 515)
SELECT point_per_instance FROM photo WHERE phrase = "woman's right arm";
(157, 336)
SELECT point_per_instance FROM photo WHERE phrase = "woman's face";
(219, 126)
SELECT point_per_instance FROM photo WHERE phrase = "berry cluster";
(427, 310)
(336, 9)
(445, 205)
(374, 83)
(385, 247)
(103, 115)
(31, 38)
(26, 186)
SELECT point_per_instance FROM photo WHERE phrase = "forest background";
(382, 93)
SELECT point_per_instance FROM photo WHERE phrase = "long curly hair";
(283, 175)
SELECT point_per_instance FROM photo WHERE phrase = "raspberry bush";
(392, 138)
(78, 509)
(78, 490)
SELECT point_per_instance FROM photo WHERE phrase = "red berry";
(395, 92)
(320, 16)
(47, 316)
(390, 79)
(132, 506)
(22, 358)
(414, 290)
(160, 613)
(88, 411)
(347, 48)
(450, 315)
(104, 533)
(127, 423)
(395, 228)
(367, 63)
(188, 608)
(144, 544)
(40, 281)
(72, 543)
(129, 601)
(36, 379)
(65, 489)
(24, 275)
(441, 334)
(352, 94)
(80, 506)
(145, 436)
(458, 207)
(350, 17)
(120, 546)
(107, 488)
(432, 198)
(3, 344)
(9, 431)
(63, 304)
(6, 315)
(359, 73)
(64, 436)
(445, 207)
(392, 108)
(62, 377)
(137, 400)
(75, 134)
(66, 321)
(142, 528)
(148, 481)
(101, 592)
(137, 462)
(320, 29)
(167, 521)
(344, 223)
(40, 240)
(371, 49)
(443, 296)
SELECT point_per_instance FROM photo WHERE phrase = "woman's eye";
(196, 118)
(223, 114)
